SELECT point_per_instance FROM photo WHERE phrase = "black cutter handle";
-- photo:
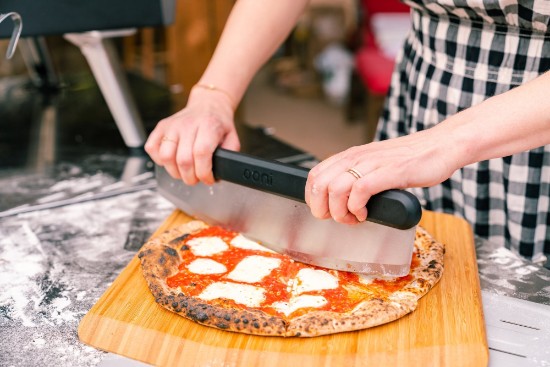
(395, 208)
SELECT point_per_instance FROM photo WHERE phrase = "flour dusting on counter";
(55, 264)
(503, 272)
(69, 183)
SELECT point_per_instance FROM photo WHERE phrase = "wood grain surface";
(447, 328)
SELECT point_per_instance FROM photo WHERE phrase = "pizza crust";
(160, 259)
(430, 270)
(368, 314)
(374, 312)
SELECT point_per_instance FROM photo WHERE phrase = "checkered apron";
(458, 53)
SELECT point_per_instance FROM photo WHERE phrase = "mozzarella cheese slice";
(309, 280)
(244, 294)
(241, 241)
(207, 246)
(302, 301)
(253, 269)
(206, 266)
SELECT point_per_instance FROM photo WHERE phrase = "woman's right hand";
(185, 142)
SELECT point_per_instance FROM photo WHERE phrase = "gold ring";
(168, 139)
(355, 173)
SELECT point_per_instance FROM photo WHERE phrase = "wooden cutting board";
(447, 328)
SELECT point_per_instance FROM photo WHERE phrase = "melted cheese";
(295, 303)
(206, 266)
(368, 279)
(244, 294)
(241, 241)
(309, 280)
(207, 246)
(253, 269)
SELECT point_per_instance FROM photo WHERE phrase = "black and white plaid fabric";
(459, 53)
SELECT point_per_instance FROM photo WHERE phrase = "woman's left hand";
(340, 186)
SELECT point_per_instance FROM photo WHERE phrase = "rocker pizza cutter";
(264, 199)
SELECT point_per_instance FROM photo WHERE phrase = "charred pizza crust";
(378, 311)
(160, 258)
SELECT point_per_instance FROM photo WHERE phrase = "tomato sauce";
(276, 285)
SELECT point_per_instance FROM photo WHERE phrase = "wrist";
(212, 89)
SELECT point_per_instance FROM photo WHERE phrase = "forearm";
(254, 30)
(512, 122)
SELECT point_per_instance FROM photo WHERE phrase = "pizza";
(219, 278)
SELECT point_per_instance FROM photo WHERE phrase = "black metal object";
(49, 17)
(395, 208)
(15, 34)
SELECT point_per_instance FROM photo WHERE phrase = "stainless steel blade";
(287, 226)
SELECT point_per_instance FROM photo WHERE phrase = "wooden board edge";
(468, 232)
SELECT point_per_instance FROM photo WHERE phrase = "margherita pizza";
(219, 278)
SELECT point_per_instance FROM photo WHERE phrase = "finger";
(363, 189)
(338, 160)
(349, 219)
(313, 185)
(318, 195)
(358, 197)
(338, 194)
(167, 154)
(152, 145)
(231, 141)
(206, 141)
(184, 158)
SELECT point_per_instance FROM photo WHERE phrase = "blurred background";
(87, 84)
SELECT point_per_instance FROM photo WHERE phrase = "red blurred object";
(374, 66)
